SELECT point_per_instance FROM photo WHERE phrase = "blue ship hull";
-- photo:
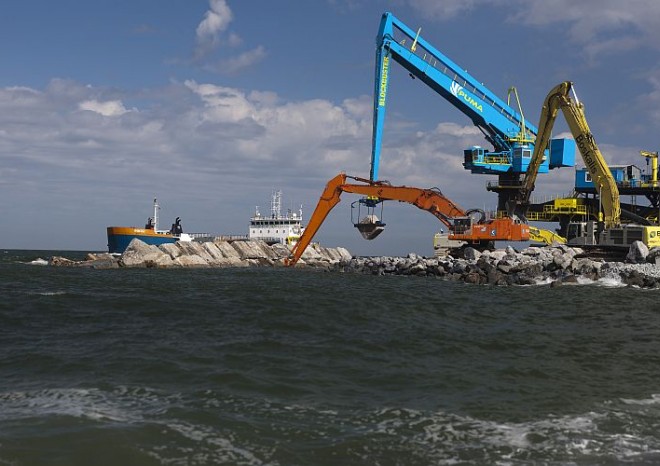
(120, 237)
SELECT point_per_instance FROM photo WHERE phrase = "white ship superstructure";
(276, 228)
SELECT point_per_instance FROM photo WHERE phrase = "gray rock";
(59, 261)
(653, 256)
(248, 249)
(171, 249)
(637, 253)
(497, 254)
(140, 254)
(563, 261)
(471, 254)
(227, 250)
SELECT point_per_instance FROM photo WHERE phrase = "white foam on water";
(654, 400)
(434, 436)
(544, 281)
(92, 404)
(210, 447)
(611, 281)
(48, 293)
(38, 261)
(584, 280)
(449, 438)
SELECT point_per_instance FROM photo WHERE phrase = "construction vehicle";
(504, 127)
(539, 235)
(608, 231)
(462, 225)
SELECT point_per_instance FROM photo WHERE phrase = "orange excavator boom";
(460, 225)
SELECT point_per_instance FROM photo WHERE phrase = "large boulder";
(653, 256)
(637, 253)
(140, 254)
(225, 247)
(471, 254)
(249, 249)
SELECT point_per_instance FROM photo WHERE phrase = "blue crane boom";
(511, 136)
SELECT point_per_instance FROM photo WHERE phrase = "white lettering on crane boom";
(457, 91)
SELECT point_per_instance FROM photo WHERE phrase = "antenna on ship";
(276, 204)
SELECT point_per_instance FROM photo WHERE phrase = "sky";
(210, 105)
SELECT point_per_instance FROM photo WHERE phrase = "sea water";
(273, 366)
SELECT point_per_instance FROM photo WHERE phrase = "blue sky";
(210, 105)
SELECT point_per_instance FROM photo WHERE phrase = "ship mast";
(276, 204)
(156, 209)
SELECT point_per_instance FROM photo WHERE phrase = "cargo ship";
(120, 237)
(276, 227)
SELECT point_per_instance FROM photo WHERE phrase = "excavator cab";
(461, 225)
(369, 226)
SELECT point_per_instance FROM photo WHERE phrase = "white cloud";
(212, 32)
(445, 9)
(203, 148)
(598, 26)
(215, 21)
(244, 60)
(651, 100)
(109, 108)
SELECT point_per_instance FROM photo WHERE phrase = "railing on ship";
(212, 237)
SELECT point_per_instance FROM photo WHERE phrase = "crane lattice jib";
(499, 122)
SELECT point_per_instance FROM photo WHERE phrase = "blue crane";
(506, 129)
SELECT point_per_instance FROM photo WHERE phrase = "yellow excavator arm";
(559, 98)
(540, 235)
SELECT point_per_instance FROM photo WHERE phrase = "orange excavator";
(462, 225)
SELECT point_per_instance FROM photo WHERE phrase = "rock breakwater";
(208, 254)
(555, 265)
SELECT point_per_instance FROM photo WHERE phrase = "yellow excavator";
(608, 231)
(539, 235)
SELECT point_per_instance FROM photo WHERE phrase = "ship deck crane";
(653, 157)
(461, 225)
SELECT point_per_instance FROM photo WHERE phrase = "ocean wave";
(611, 281)
(212, 428)
(94, 404)
(38, 261)
(47, 293)
(654, 400)
(449, 438)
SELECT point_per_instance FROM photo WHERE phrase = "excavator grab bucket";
(370, 227)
